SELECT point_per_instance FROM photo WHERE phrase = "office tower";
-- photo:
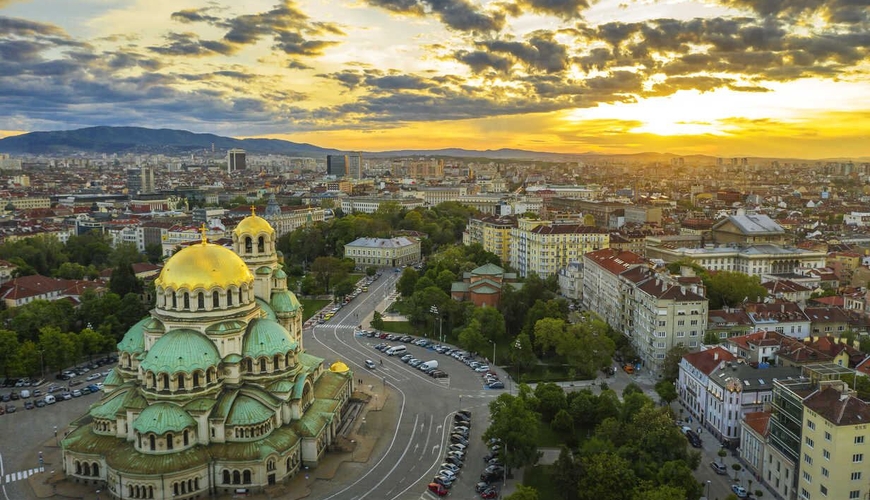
(354, 165)
(140, 180)
(336, 165)
(235, 160)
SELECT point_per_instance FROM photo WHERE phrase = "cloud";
(566, 9)
(460, 15)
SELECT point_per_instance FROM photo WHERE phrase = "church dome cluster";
(213, 391)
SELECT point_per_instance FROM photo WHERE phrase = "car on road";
(28, 405)
(740, 491)
(406, 358)
(415, 362)
(10, 408)
(498, 384)
(719, 468)
(438, 374)
(370, 364)
(436, 488)
(693, 438)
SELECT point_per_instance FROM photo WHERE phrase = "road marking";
(18, 476)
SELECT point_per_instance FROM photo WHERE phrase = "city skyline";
(726, 77)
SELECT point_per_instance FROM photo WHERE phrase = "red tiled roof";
(709, 360)
(837, 408)
(758, 421)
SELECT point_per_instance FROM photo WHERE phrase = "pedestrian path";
(18, 476)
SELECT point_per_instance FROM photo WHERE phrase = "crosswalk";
(24, 474)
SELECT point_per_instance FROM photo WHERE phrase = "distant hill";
(144, 140)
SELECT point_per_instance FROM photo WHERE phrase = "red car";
(490, 493)
(438, 489)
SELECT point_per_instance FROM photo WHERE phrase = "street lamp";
(493, 351)
(433, 310)
(56, 442)
(519, 347)
(707, 494)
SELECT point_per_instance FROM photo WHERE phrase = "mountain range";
(142, 140)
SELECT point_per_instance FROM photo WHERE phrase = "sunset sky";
(720, 77)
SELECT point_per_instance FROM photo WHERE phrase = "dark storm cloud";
(395, 82)
(289, 28)
(23, 27)
(833, 11)
(460, 15)
(565, 9)
(540, 52)
(480, 61)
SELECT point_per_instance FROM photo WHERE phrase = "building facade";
(383, 252)
(494, 234)
(213, 393)
(236, 160)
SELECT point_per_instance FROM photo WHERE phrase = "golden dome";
(339, 367)
(204, 265)
(253, 225)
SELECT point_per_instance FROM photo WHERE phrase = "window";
(809, 442)
(856, 476)
(826, 454)
(824, 490)
(215, 300)
(859, 439)
(200, 301)
(681, 322)
(662, 323)
(805, 494)
(857, 458)
(808, 459)
(854, 494)
(824, 472)
(827, 436)
(811, 424)
(807, 477)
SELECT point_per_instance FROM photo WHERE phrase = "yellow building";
(835, 451)
(492, 233)
(544, 247)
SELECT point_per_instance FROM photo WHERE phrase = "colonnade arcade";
(199, 300)
(181, 381)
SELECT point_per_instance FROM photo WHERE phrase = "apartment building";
(835, 445)
(601, 285)
(370, 205)
(551, 247)
(661, 313)
(755, 260)
(494, 234)
(433, 195)
(28, 202)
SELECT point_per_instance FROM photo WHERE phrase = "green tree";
(661, 492)
(27, 320)
(371, 271)
(711, 338)
(551, 399)
(491, 323)
(29, 359)
(471, 338)
(678, 474)
(732, 288)
(90, 248)
(327, 271)
(563, 423)
(515, 423)
(377, 321)
(345, 287)
(58, 348)
(606, 476)
(549, 333)
(523, 493)
(91, 342)
(671, 363)
(9, 347)
(666, 391)
(407, 282)
(154, 252)
(566, 474)
(522, 354)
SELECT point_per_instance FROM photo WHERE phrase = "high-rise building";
(337, 165)
(354, 165)
(140, 180)
(236, 160)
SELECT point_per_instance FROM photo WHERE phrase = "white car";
(482, 368)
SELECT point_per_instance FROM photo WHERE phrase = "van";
(429, 365)
(399, 349)
(50, 400)
(24, 394)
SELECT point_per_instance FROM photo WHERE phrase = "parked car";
(740, 491)
(719, 468)
(693, 438)
(76, 393)
(40, 403)
(436, 488)
(28, 405)
(490, 492)
(438, 374)
(498, 384)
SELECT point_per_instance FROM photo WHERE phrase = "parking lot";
(26, 394)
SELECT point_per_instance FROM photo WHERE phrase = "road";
(409, 455)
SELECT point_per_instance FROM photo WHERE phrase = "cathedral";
(213, 392)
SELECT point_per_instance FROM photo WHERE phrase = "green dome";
(113, 378)
(154, 324)
(266, 337)
(161, 418)
(134, 339)
(285, 301)
(248, 411)
(280, 274)
(181, 351)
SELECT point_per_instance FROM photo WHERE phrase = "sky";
(775, 78)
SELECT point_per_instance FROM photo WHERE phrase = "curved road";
(406, 458)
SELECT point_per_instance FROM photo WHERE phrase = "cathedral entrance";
(271, 479)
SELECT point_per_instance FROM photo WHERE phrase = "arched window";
(169, 439)
(180, 378)
(248, 245)
(87, 469)
(215, 299)
(237, 477)
(261, 244)
(196, 380)
(249, 365)
(153, 442)
(270, 465)
(95, 469)
(78, 468)
(186, 437)
(208, 376)
(165, 377)
(174, 301)
(229, 297)
(226, 477)
(262, 365)
(130, 491)
(175, 489)
(150, 492)
(153, 381)
(241, 301)
(200, 301)
(275, 361)
(246, 478)
(186, 301)
(196, 484)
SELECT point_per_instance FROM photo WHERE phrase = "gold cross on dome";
(203, 230)
(253, 210)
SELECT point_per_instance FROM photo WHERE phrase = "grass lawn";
(547, 437)
(400, 327)
(311, 306)
(540, 477)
